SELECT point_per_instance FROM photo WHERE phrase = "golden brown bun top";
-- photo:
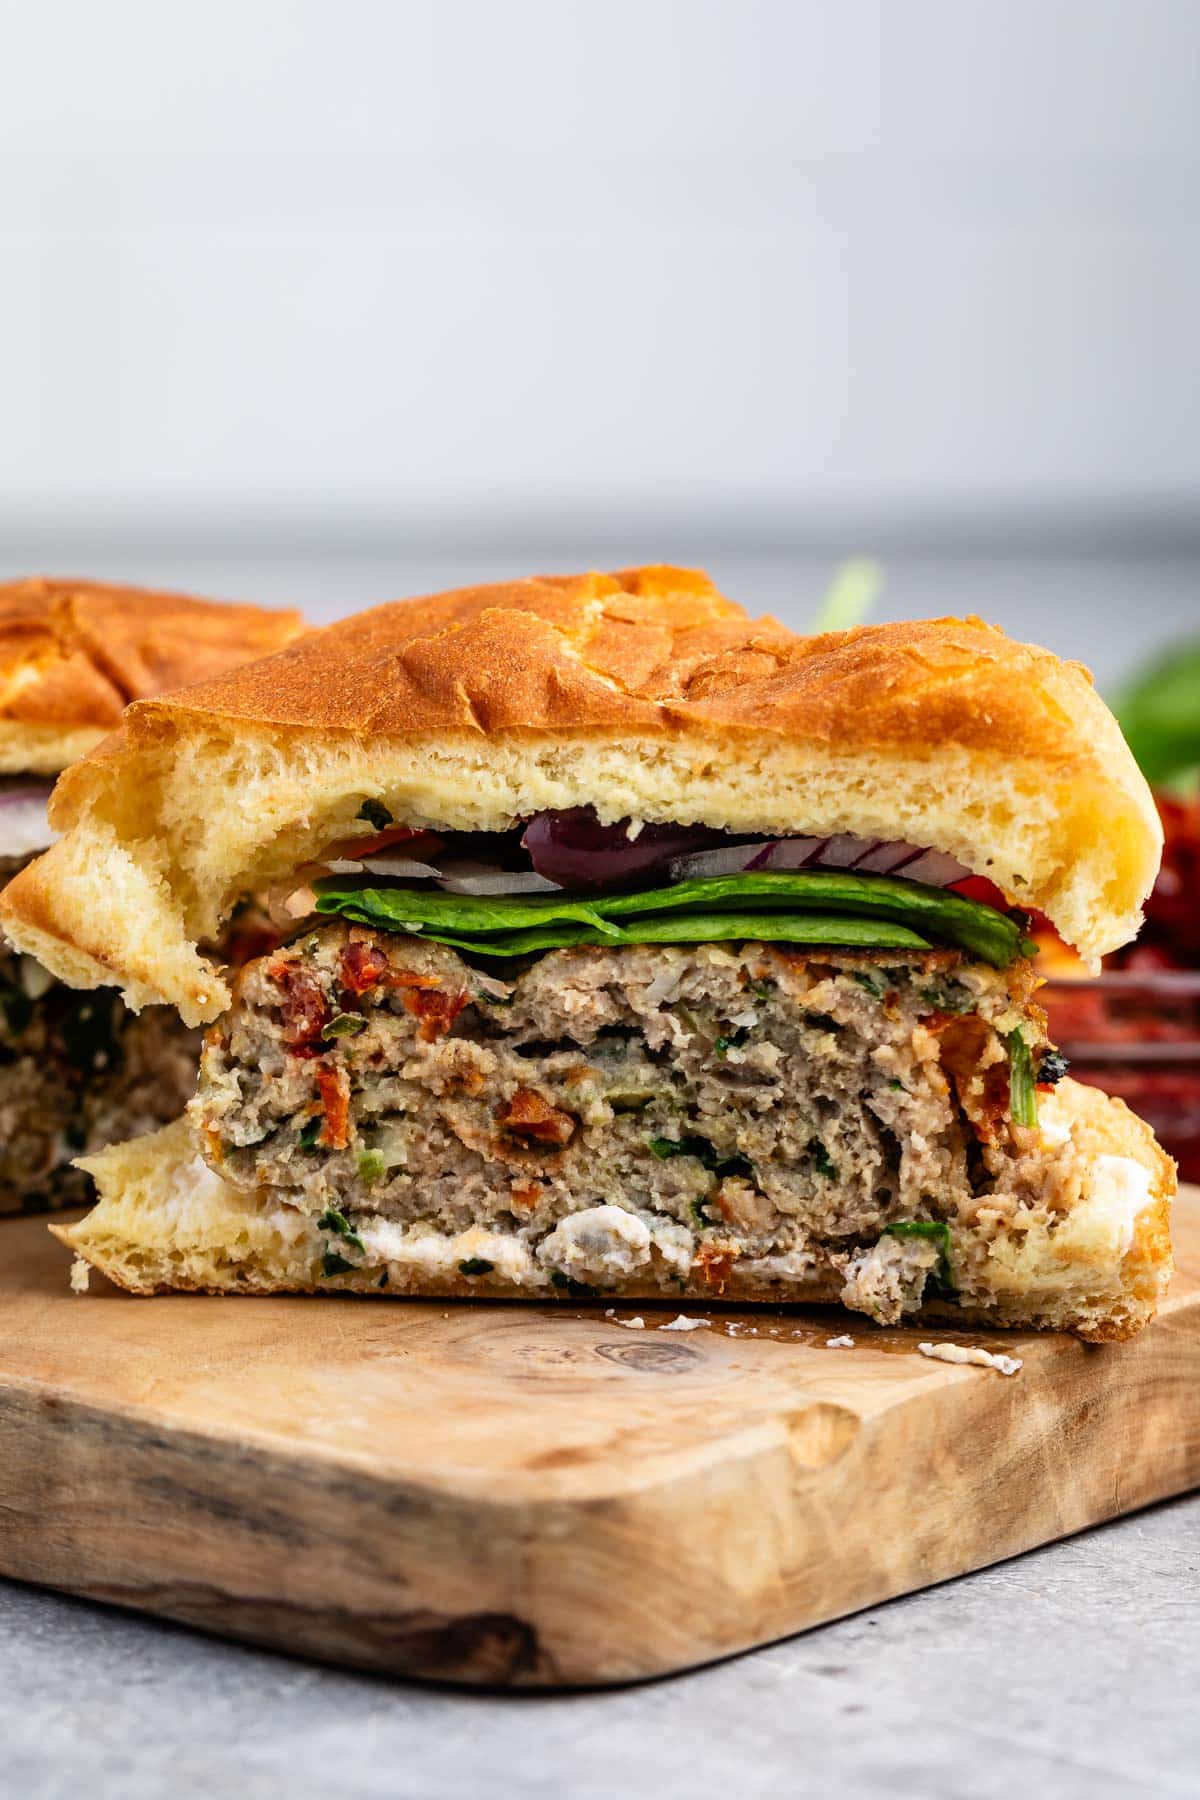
(645, 694)
(654, 649)
(74, 653)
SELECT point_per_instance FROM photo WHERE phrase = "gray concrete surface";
(1069, 1672)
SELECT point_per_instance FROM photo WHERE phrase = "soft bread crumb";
(683, 1323)
(839, 1343)
(968, 1353)
(80, 1272)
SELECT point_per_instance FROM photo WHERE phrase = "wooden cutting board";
(540, 1496)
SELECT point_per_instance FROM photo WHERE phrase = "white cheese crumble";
(791, 1265)
(598, 1245)
(839, 1343)
(635, 1324)
(79, 1276)
(438, 1253)
(968, 1353)
(1120, 1191)
(195, 1193)
(683, 1323)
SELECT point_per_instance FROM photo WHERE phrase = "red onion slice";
(789, 853)
(731, 859)
(499, 881)
(885, 859)
(845, 850)
(867, 856)
(574, 850)
(402, 868)
(935, 869)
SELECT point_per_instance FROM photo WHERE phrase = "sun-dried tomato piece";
(528, 1115)
(333, 1085)
(436, 1009)
(525, 1195)
(302, 1002)
(715, 1264)
(422, 844)
(962, 1040)
(362, 967)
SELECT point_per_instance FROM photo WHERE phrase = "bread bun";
(74, 653)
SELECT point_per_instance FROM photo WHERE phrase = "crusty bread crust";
(646, 694)
(74, 653)
(165, 1223)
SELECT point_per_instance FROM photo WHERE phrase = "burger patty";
(78, 1071)
(797, 1113)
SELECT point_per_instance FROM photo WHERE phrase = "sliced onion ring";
(868, 856)
(730, 859)
(499, 881)
(936, 869)
(844, 850)
(789, 853)
(886, 859)
(402, 868)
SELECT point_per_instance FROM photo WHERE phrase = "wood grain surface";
(540, 1496)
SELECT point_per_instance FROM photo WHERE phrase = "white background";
(342, 299)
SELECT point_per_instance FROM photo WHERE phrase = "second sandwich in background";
(79, 1071)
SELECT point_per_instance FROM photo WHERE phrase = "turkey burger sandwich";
(79, 1070)
(639, 949)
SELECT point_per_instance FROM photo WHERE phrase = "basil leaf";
(939, 1232)
(1022, 1094)
(333, 1264)
(430, 912)
(823, 1163)
(968, 924)
(344, 1025)
(687, 928)
(336, 1221)
(475, 1265)
(704, 1152)
(875, 988)
(837, 897)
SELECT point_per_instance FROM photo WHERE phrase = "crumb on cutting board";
(845, 1342)
(683, 1323)
(969, 1353)
(79, 1276)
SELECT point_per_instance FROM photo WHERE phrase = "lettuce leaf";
(722, 907)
